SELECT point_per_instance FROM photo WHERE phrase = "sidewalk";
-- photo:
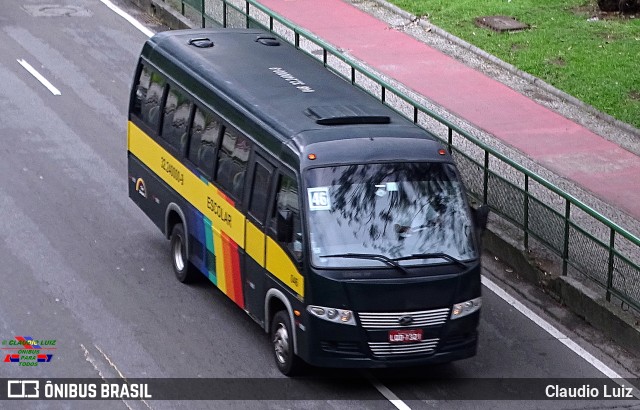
(570, 150)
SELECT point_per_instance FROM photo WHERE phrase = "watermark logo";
(27, 351)
(23, 389)
(61, 389)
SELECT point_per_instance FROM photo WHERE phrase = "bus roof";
(291, 94)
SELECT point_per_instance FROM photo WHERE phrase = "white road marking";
(39, 77)
(388, 394)
(95, 365)
(128, 17)
(122, 376)
(112, 364)
(557, 334)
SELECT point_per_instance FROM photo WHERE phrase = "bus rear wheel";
(180, 261)
(282, 340)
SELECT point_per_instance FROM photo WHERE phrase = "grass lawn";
(595, 60)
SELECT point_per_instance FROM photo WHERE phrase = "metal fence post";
(526, 211)
(246, 12)
(485, 188)
(202, 14)
(612, 239)
(565, 252)
(224, 13)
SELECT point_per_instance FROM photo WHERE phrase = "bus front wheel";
(282, 340)
(181, 266)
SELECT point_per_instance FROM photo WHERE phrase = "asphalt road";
(80, 264)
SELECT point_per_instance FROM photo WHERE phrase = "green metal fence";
(585, 241)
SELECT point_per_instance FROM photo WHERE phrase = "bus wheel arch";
(282, 335)
(173, 215)
(176, 231)
(280, 325)
(274, 302)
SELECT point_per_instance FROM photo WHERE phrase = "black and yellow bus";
(339, 226)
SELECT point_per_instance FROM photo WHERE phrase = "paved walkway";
(557, 143)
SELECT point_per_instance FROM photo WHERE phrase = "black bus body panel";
(265, 93)
(340, 345)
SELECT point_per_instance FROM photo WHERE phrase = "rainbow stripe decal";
(221, 259)
(216, 222)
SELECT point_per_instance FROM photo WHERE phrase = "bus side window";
(232, 162)
(142, 87)
(177, 110)
(150, 111)
(204, 141)
(260, 193)
(286, 220)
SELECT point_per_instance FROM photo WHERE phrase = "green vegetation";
(597, 60)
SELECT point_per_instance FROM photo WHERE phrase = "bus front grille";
(394, 320)
(393, 349)
(345, 348)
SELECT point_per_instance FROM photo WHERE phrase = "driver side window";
(286, 219)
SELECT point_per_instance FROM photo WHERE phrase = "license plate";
(405, 336)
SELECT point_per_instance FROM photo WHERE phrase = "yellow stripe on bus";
(214, 205)
(283, 268)
(205, 197)
(255, 241)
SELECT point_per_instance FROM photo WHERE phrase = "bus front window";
(391, 213)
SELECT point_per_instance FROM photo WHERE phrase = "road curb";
(613, 321)
(165, 13)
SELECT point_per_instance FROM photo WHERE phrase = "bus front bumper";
(340, 346)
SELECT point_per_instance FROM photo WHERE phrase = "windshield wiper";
(372, 256)
(434, 255)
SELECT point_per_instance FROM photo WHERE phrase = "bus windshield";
(372, 215)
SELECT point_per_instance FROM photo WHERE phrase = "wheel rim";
(178, 259)
(281, 343)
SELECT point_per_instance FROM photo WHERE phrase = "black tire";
(179, 259)
(282, 342)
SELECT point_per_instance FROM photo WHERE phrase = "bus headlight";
(332, 314)
(465, 308)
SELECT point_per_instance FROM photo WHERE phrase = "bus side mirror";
(481, 216)
(284, 226)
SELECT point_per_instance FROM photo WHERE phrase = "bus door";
(255, 237)
(285, 247)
